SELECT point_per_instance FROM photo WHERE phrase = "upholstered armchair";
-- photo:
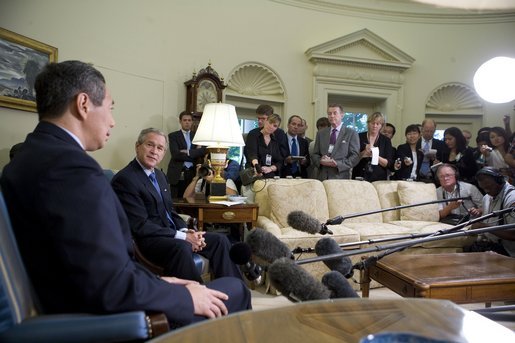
(21, 321)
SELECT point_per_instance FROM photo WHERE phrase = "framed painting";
(21, 60)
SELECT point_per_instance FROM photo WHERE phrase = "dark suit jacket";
(377, 172)
(345, 153)
(178, 143)
(143, 204)
(74, 235)
(440, 146)
(303, 151)
(404, 150)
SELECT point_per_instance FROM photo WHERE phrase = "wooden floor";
(262, 301)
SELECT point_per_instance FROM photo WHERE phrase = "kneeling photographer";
(200, 184)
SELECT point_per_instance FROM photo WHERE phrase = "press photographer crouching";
(455, 212)
(200, 184)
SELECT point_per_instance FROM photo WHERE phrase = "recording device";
(488, 148)
(304, 222)
(328, 246)
(294, 282)
(338, 285)
(241, 255)
(266, 246)
(258, 168)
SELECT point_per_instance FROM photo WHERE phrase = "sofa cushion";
(305, 195)
(346, 197)
(414, 193)
(388, 198)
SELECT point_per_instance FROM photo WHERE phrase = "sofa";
(323, 200)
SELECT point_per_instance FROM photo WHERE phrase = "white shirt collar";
(147, 171)
(73, 136)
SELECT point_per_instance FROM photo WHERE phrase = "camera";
(204, 170)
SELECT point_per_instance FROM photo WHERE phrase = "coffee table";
(459, 277)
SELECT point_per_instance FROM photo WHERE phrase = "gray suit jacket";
(345, 153)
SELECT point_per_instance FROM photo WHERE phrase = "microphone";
(328, 246)
(241, 255)
(304, 222)
(266, 246)
(294, 282)
(338, 285)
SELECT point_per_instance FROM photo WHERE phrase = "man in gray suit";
(336, 149)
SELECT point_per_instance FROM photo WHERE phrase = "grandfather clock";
(204, 87)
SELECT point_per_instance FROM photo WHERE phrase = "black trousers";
(175, 256)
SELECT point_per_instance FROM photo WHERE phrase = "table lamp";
(218, 130)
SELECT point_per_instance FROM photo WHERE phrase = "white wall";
(147, 49)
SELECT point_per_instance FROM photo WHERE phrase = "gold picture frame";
(22, 59)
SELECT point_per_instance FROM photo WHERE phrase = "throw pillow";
(411, 193)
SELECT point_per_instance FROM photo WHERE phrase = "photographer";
(202, 181)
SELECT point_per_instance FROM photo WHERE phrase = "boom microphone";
(338, 285)
(241, 255)
(294, 282)
(328, 246)
(304, 222)
(266, 246)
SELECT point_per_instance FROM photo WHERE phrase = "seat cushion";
(388, 198)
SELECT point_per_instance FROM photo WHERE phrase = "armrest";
(269, 225)
(122, 327)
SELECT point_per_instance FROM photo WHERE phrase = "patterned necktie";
(424, 167)
(294, 152)
(332, 139)
(153, 179)
(188, 146)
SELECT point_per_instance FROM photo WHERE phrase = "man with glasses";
(452, 212)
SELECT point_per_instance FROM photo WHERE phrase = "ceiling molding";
(403, 11)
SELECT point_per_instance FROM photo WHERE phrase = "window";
(356, 121)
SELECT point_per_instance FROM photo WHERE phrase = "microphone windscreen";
(328, 246)
(303, 222)
(266, 246)
(294, 282)
(338, 285)
(240, 253)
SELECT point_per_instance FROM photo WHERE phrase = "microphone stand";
(339, 219)
(403, 245)
(300, 250)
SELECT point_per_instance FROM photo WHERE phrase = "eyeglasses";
(446, 176)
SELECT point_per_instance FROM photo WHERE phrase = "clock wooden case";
(203, 88)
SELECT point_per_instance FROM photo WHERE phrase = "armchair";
(21, 321)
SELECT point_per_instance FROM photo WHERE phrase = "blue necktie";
(153, 179)
(188, 146)
(424, 167)
(294, 152)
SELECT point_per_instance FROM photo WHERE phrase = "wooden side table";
(459, 277)
(207, 212)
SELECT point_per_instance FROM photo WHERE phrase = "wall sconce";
(494, 80)
(218, 130)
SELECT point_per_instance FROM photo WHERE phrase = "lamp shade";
(494, 80)
(219, 127)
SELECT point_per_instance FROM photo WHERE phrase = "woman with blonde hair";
(370, 141)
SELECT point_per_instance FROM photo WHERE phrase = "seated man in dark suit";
(71, 229)
(160, 233)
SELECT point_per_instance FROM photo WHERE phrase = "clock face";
(206, 94)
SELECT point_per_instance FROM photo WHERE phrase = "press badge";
(268, 160)
(331, 147)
